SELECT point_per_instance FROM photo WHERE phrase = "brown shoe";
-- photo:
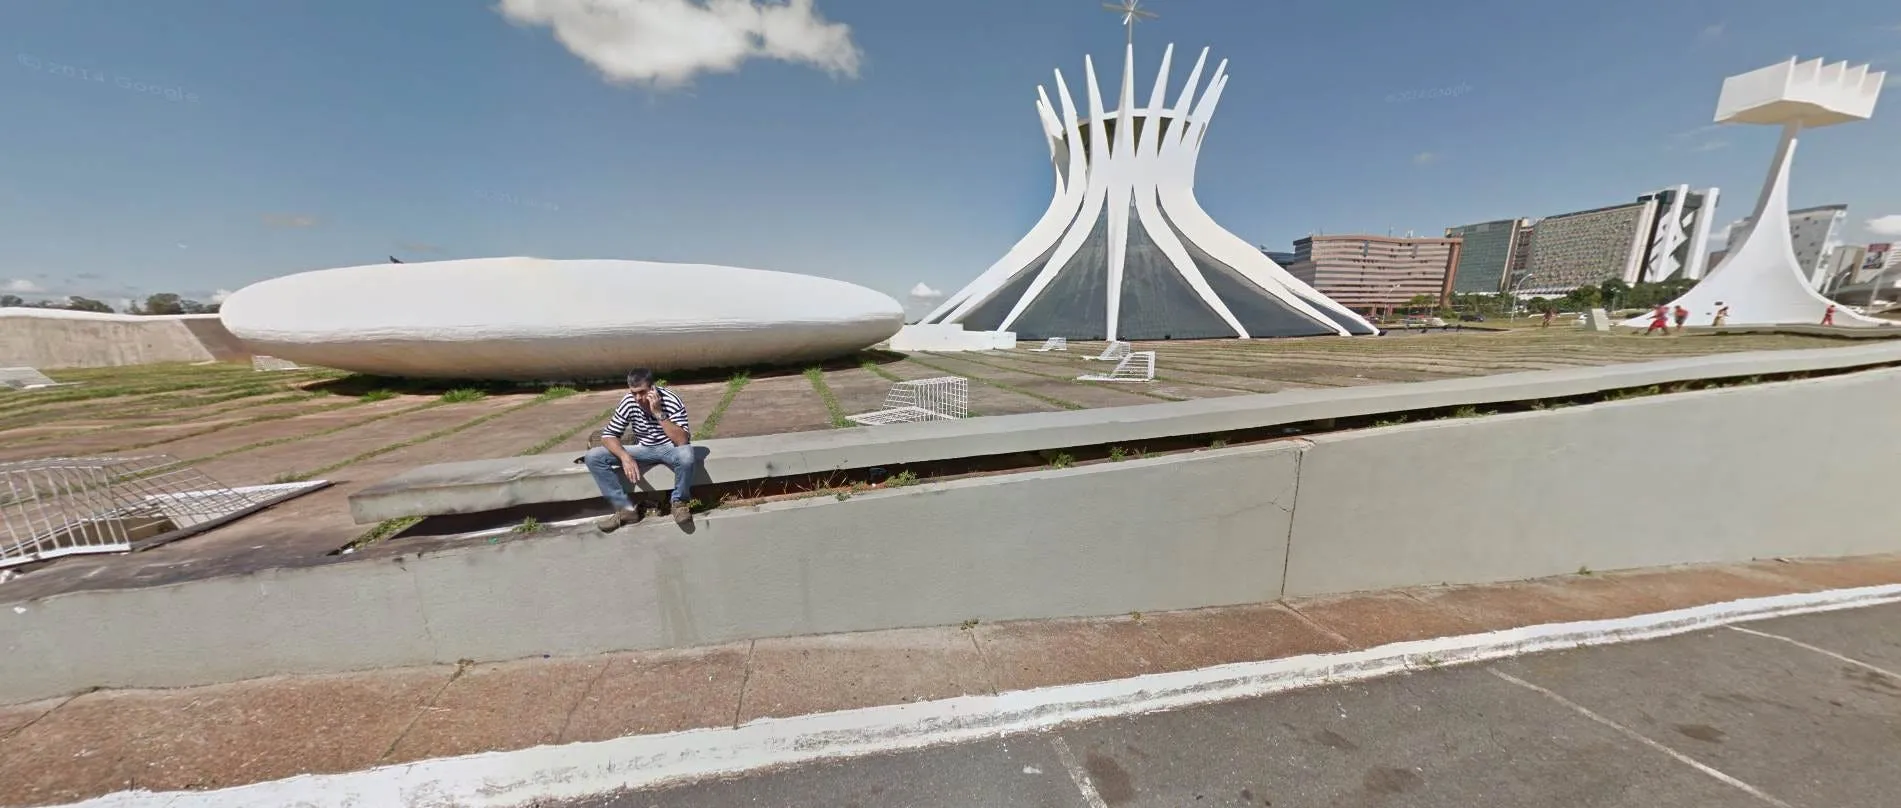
(613, 521)
(682, 513)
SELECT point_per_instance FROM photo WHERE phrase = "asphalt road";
(1809, 717)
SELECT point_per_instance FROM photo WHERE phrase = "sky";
(196, 146)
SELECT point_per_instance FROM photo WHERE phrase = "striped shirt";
(630, 416)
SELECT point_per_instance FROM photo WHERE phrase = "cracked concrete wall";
(1171, 532)
(1791, 469)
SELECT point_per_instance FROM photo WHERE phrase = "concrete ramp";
(217, 340)
(56, 338)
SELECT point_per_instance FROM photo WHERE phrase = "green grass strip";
(568, 435)
(440, 433)
(321, 433)
(1050, 400)
(878, 370)
(710, 426)
(816, 375)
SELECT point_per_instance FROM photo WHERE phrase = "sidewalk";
(247, 732)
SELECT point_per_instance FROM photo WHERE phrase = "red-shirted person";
(1682, 316)
(1659, 321)
(1828, 317)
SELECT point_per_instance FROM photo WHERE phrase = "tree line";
(161, 303)
(1612, 294)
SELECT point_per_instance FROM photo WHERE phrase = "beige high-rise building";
(1376, 273)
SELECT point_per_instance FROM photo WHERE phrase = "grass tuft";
(816, 375)
(463, 395)
(710, 426)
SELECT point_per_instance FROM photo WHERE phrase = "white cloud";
(1885, 225)
(22, 286)
(1711, 32)
(1709, 146)
(292, 220)
(926, 292)
(667, 43)
(1425, 158)
(219, 295)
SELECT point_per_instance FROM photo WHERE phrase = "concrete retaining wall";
(482, 485)
(1791, 469)
(51, 339)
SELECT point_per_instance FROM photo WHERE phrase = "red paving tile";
(265, 464)
(298, 428)
(802, 675)
(209, 737)
(774, 404)
(513, 705)
(1837, 574)
(661, 691)
(1374, 619)
(1042, 653)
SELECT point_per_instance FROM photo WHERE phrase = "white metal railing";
(73, 505)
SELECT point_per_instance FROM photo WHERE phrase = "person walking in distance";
(1828, 316)
(657, 419)
(1722, 315)
(1549, 313)
(1659, 321)
(1681, 315)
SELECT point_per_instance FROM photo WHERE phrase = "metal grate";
(940, 399)
(24, 379)
(273, 363)
(1053, 344)
(1113, 352)
(72, 505)
(1136, 367)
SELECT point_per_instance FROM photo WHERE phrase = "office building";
(1376, 273)
(1485, 255)
(1679, 234)
(1586, 248)
(1815, 232)
(1660, 236)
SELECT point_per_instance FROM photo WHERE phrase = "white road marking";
(1076, 773)
(1640, 738)
(1823, 651)
(570, 771)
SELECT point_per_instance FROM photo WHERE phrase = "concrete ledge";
(485, 485)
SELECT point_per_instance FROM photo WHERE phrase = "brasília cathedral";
(1124, 251)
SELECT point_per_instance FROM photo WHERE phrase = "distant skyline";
(198, 147)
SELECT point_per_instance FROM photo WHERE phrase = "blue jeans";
(608, 474)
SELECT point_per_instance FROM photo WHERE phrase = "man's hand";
(630, 468)
(648, 400)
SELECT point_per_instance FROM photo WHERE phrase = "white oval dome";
(538, 319)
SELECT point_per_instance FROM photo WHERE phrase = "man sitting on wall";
(657, 420)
